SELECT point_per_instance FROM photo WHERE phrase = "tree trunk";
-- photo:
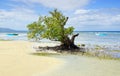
(72, 45)
(68, 44)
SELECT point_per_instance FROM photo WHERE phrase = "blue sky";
(84, 15)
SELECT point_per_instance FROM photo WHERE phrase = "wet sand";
(87, 66)
(16, 60)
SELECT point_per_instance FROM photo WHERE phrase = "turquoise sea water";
(9, 36)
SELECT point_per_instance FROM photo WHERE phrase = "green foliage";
(50, 27)
(55, 29)
(36, 29)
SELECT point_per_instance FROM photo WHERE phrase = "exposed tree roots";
(62, 48)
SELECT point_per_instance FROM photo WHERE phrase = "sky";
(84, 15)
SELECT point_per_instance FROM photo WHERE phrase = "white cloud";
(96, 19)
(60, 4)
(17, 18)
(81, 11)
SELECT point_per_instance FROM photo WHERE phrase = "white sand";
(15, 60)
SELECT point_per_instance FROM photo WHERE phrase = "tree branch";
(73, 38)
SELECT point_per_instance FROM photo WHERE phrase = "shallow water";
(86, 66)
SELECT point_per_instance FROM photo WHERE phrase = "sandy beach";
(15, 60)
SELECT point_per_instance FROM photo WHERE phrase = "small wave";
(101, 34)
